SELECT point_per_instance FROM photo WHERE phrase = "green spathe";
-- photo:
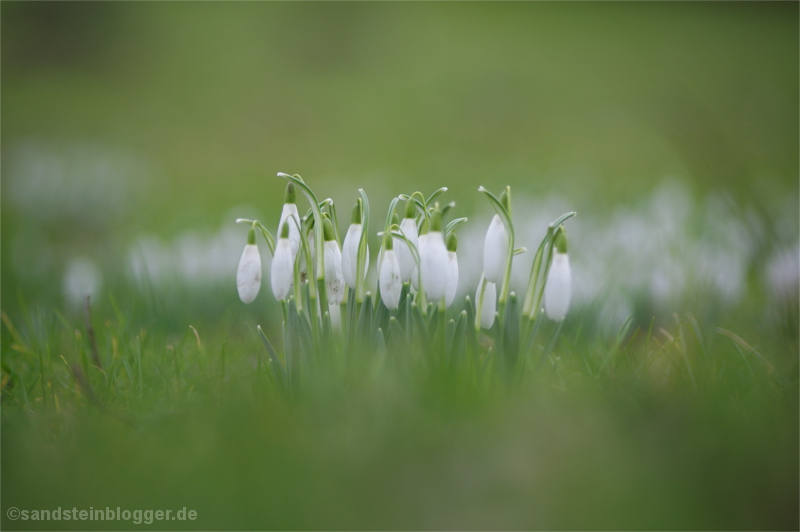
(560, 239)
(355, 214)
(328, 229)
(290, 195)
(452, 242)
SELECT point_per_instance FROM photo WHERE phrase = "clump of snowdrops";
(332, 319)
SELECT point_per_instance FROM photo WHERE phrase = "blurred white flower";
(434, 263)
(334, 280)
(495, 250)
(290, 211)
(248, 275)
(390, 282)
(558, 290)
(282, 271)
(82, 278)
(489, 306)
(408, 227)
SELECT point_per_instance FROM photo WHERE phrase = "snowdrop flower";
(489, 306)
(434, 260)
(248, 276)
(422, 241)
(350, 249)
(282, 273)
(558, 290)
(451, 283)
(408, 227)
(389, 281)
(495, 250)
(334, 280)
(290, 210)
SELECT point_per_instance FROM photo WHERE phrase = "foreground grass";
(677, 426)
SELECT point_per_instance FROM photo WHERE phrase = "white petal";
(451, 284)
(390, 282)
(248, 276)
(421, 243)
(350, 254)
(334, 280)
(434, 262)
(495, 251)
(558, 290)
(489, 306)
(408, 227)
(282, 271)
(290, 209)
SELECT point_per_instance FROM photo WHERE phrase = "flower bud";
(282, 270)
(489, 305)
(350, 248)
(290, 210)
(558, 290)
(389, 281)
(408, 227)
(334, 280)
(451, 284)
(495, 250)
(248, 275)
(434, 260)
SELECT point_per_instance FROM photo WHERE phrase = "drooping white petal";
(282, 271)
(334, 280)
(408, 227)
(290, 209)
(350, 254)
(495, 251)
(489, 306)
(248, 276)
(558, 290)
(451, 284)
(434, 262)
(335, 312)
(422, 241)
(389, 280)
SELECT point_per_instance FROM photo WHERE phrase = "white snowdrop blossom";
(282, 271)
(422, 242)
(334, 280)
(248, 276)
(389, 279)
(451, 284)
(408, 227)
(495, 250)
(350, 254)
(434, 262)
(489, 306)
(290, 210)
(558, 290)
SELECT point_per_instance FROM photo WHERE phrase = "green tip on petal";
(327, 228)
(285, 229)
(251, 236)
(452, 241)
(355, 214)
(290, 195)
(560, 240)
(387, 242)
(411, 209)
(436, 219)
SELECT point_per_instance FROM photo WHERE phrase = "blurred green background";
(134, 130)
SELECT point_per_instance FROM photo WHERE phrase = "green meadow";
(135, 134)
